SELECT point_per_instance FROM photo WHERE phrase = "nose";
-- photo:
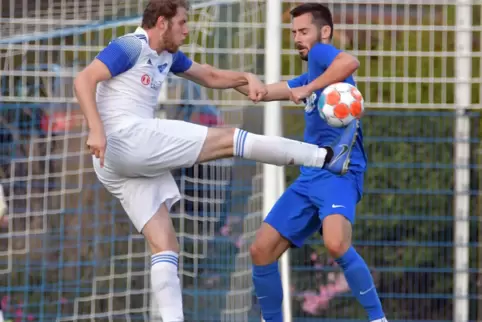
(296, 38)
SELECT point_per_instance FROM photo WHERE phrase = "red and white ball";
(340, 103)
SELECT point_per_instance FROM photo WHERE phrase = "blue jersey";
(317, 131)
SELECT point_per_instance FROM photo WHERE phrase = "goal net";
(68, 251)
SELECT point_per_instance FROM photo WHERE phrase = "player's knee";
(268, 246)
(337, 234)
(337, 246)
(260, 254)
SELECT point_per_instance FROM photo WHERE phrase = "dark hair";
(161, 8)
(321, 14)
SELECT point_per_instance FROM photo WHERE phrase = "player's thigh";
(159, 231)
(140, 197)
(294, 216)
(150, 147)
(335, 195)
(336, 198)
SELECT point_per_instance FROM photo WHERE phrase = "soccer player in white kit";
(133, 152)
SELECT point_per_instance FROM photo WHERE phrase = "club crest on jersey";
(310, 103)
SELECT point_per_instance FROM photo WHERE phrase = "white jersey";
(137, 72)
(141, 149)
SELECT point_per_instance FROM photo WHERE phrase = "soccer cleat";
(342, 149)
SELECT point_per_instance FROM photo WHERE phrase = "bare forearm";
(243, 89)
(224, 79)
(85, 93)
(275, 92)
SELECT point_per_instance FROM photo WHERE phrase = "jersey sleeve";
(121, 54)
(180, 63)
(298, 81)
(323, 54)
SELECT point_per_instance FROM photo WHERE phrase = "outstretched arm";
(275, 92)
(280, 91)
(211, 77)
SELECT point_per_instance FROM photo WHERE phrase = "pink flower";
(239, 242)
(310, 304)
(314, 303)
(5, 301)
(225, 230)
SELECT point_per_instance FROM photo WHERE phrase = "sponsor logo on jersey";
(156, 84)
(145, 79)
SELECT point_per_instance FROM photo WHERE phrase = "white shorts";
(138, 161)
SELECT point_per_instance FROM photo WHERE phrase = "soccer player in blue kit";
(318, 200)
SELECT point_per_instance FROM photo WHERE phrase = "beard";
(302, 56)
(300, 47)
(168, 41)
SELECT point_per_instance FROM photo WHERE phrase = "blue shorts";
(300, 211)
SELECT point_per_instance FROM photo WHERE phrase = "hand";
(97, 143)
(257, 90)
(299, 93)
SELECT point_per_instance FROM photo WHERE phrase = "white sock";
(380, 320)
(277, 150)
(166, 287)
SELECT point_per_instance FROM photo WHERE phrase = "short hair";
(321, 14)
(161, 8)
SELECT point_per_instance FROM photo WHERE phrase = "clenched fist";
(257, 90)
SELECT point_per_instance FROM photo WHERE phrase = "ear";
(325, 32)
(162, 23)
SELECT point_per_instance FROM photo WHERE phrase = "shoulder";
(130, 41)
(121, 54)
(130, 45)
(178, 56)
(323, 47)
(180, 62)
(323, 54)
(323, 50)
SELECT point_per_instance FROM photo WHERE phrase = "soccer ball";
(340, 103)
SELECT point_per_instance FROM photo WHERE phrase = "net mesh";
(69, 253)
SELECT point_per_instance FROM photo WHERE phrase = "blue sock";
(269, 291)
(361, 283)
